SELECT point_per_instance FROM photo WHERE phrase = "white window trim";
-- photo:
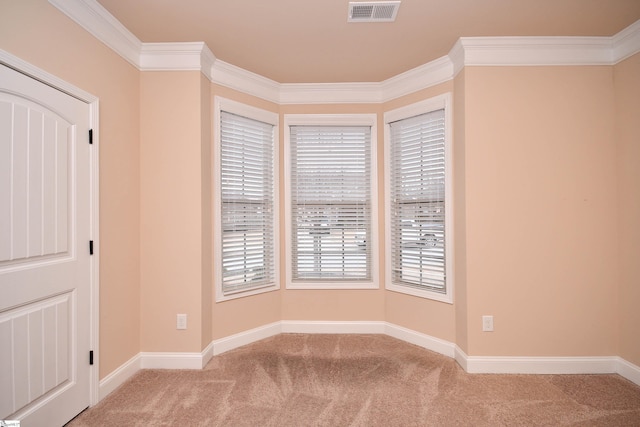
(332, 120)
(423, 107)
(223, 104)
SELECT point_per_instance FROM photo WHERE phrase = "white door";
(44, 252)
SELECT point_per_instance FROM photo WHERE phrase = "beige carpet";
(358, 380)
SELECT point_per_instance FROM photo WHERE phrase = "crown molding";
(329, 93)
(237, 78)
(96, 20)
(467, 51)
(424, 76)
(530, 51)
(176, 57)
(626, 43)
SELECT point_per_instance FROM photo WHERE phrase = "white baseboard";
(207, 354)
(471, 364)
(332, 327)
(247, 337)
(176, 360)
(548, 365)
(437, 345)
(540, 365)
(166, 360)
(460, 357)
(628, 370)
(116, 378)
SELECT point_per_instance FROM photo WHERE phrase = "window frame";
(439, 102)
(223, 104)
(332, 120)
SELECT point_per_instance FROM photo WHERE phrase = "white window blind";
(417, 201)
(331, 207)
(247, 203)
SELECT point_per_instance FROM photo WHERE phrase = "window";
(332, 205)
(245, 200)
(419, 200)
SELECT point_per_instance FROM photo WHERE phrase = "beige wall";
(36, 32)
(171, 210)
(627, 84)
(206, 241)
(460, 218)
(540, 190)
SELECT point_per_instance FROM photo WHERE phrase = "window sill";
(435, 296)
(241, 294)
(332, 285)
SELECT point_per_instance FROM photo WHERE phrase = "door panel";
(44, 257)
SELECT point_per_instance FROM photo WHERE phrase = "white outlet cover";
(487, 323)
(181, 321)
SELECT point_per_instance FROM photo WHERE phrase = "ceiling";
(304, 41)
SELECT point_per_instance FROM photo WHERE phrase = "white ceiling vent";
(373, 11)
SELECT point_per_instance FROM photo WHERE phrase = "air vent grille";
(373, 11)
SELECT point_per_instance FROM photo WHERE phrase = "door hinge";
(90, 136)
(91, 357)
(90, 247)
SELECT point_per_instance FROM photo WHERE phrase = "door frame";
(92, 101)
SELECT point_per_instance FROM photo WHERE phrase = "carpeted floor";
(358, 380)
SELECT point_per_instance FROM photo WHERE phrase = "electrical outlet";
(181, 321)
(487, 323)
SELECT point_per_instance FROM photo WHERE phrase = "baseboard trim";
(471, 364)
(540, 365)
(170, 360)
(547, 365)
(332, 327)
(434, 344)
(207, 354)
(118, 377)
(628, 370)
(247, 337)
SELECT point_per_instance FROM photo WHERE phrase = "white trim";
(330, 93)
(332, 120)
(94, 220)
(234, 341)
(460, 356)
(94, 200)
(424, 76)
(96, 20)
(626, 43)
(49, 79)
(233, 77)
(332, 327)
(170, 360)
(547, 365)
(118, 377)
(628, 370)
(428, 75)
(428, 342)
(540, 365)
(176, 57)
(531, 51)
(207, 354)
